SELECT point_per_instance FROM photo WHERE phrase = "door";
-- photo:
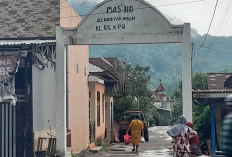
(16, 123)
(24, 116)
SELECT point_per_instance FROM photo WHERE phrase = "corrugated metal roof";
(225, 90)
(24, 42)
(94, 68)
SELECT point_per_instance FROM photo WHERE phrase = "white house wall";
(44, 87)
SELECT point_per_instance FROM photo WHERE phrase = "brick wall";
(29, 18)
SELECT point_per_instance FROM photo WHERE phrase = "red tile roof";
(159, 97)
(160, 88)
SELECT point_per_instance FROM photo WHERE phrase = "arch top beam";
(124, 22)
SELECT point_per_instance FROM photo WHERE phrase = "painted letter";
(2, 71)
(109, 9)
(8, 62)
(98, 28)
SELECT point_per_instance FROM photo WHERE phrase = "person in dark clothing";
(226, 130)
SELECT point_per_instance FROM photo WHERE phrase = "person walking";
(195, 139)
(195, 146)
(181, 133)
(136, 127)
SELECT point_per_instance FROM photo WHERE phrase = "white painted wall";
(108, 119)
(43, 88)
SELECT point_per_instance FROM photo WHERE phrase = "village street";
(74, 74)
(159, 145)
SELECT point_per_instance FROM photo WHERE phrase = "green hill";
(165, 59)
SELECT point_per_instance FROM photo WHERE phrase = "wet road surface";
(159, 145)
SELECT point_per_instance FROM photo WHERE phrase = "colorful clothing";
(136, 129)
(195, 139)
(181, 143)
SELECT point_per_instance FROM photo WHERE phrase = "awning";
(5, 43)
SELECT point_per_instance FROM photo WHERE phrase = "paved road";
(159, 145)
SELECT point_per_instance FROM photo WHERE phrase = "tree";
(137, 79)
(177, 108)
(138, 95)
(199, 81)
(201, 114)
(123, 104)
(202, 123)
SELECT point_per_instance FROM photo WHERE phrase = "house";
(163, 103)
(106, 81)
(97, 119)
(219, 86)
(77, 89)
(29, 34)
(32, 39)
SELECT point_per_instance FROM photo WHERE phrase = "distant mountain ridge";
(165, 59)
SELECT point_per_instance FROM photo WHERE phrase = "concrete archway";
(121, 22)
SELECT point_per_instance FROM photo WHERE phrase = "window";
(103, 108)
(77, 69)
(98, 109)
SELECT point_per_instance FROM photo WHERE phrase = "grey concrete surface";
(159, 145)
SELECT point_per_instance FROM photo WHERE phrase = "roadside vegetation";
(102, 142)
(138, 95)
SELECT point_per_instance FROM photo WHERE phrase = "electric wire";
(197, 50)
(223, 18)
(24, 18)
(179, 3)
(209, 26)
(219, 27)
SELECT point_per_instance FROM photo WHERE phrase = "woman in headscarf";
(136, 127)
(194, 141)
(181, 134)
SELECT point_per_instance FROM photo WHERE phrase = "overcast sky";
(199, 14)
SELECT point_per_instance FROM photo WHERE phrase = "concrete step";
(96, 149)
(69, 154)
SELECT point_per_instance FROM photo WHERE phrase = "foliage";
(142, 103)
(154, 118)
(201, 114)
(151, 113)
(123, 104)
(202, 123)
(102, 142)
(177, 108)
(138, 95)
(137, 79)
(199, 81)
(83, 153)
